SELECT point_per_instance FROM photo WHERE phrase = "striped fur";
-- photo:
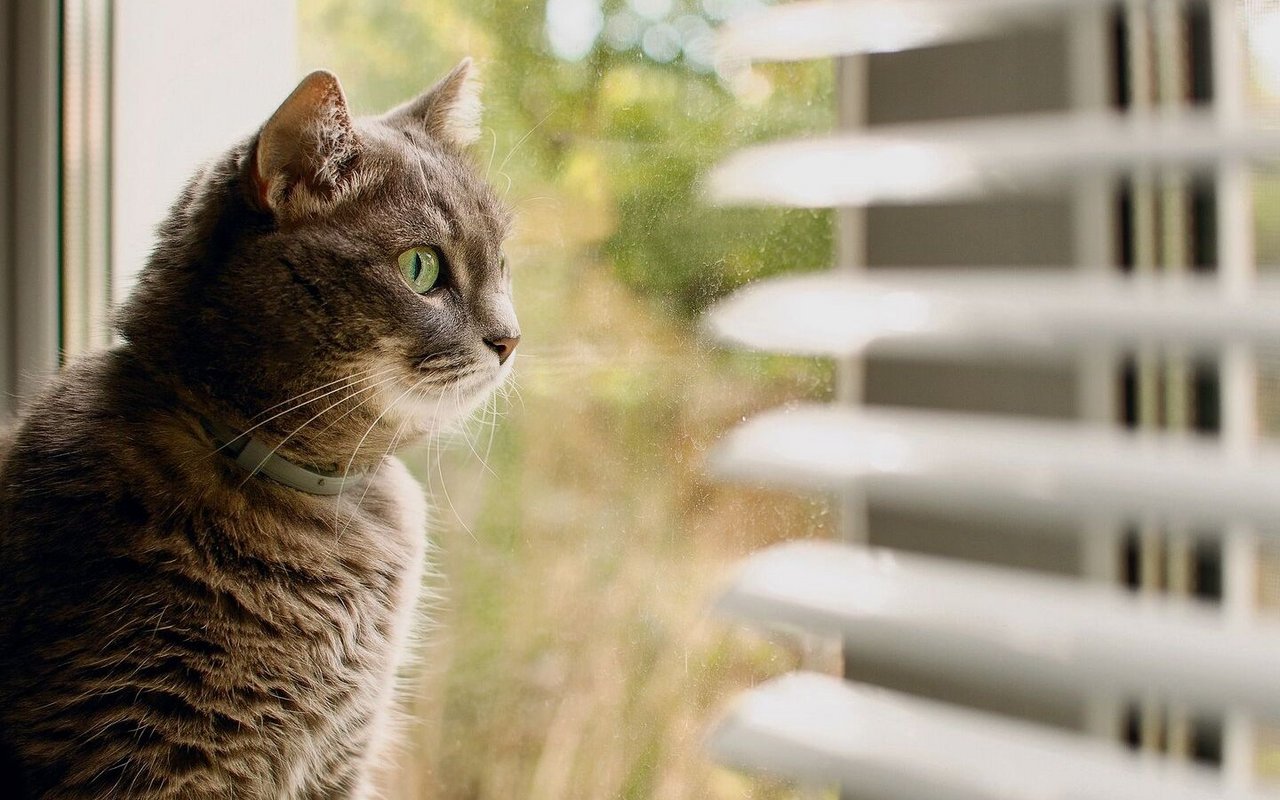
(171, 627)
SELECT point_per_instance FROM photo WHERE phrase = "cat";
(209, 555)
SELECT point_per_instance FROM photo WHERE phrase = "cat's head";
(340, 263)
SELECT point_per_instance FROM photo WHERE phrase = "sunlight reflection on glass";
(876, 589)
(817, 318)
(830, 172)
(573, 26)
(1264, 48)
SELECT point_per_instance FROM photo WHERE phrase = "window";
(582, 537)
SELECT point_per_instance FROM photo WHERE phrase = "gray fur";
(171, 627)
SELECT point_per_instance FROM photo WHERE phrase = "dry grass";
(575, 657)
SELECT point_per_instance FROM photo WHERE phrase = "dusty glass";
(580, 537)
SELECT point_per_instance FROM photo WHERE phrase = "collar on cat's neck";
(255, 457)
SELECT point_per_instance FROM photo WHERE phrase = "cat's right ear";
(305, 152)
(449, 111)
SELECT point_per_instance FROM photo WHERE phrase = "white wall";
(190, 77)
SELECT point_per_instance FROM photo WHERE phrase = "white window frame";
(104, 114)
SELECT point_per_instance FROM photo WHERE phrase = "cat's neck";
(337, 425)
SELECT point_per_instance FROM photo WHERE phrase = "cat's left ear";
(304, 154)
(449, 111)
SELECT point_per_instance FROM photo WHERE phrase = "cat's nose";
(504, 346)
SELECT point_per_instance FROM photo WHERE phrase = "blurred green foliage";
(575, 658)
(618, 139)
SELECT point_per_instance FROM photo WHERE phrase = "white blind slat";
(1018, 314)
(1003, 627)
(970, 159)
(882, 744)
(998, 466)
(825, 28)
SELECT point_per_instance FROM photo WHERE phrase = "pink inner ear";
(308, 139)
(259, 183)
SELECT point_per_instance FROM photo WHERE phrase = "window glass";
(580, 535)
(1263, 48)
(1262, 42)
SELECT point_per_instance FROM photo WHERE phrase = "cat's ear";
(449, 111)
(305, 152)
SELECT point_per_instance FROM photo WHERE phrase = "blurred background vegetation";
(616, 138)
(580, 540)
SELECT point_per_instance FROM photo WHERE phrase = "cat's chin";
(415, 413)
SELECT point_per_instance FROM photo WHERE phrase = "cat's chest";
(332, 648)
(352, 602)
(330, 628)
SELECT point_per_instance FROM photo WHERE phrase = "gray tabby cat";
(209, 558)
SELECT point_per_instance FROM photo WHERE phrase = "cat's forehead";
(441, 184)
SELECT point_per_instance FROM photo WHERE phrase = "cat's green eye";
(420, 267)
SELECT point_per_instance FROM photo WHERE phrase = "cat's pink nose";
(504, 347)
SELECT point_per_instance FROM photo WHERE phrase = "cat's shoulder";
(89, 394)
(61, 432)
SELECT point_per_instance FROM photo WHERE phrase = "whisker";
(515, 389)
(492, 152)
(254, 427)
(493, 424)
(312, 419)
(524, 138)
(352, 376)
(347, 469)
(443, 488)
(520, 204)
(391, 446)
(351, 411)
(457, 403)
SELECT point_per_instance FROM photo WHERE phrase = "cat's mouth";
(451, 369)
(458, 381)
(441, 390)
(439, 368)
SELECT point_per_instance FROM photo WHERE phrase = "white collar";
(255, 457)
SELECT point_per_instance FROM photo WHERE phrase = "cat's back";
(65, 511)
(60, 466)
(46, 458)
